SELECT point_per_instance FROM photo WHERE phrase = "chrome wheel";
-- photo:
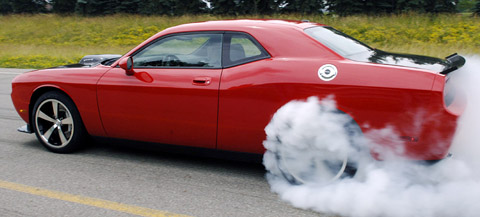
(57, 123)
(315, 167)
(312, 143)
(54, 123)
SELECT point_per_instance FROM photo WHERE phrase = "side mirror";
(127, 65)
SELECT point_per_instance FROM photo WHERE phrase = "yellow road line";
(105, 204)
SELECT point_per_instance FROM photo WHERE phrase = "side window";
(199, 50)
(241, 48)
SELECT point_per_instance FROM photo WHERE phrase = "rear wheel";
(57, 123)
(310, 143)
(315, 165)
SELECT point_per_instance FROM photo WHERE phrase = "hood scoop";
(93, 60)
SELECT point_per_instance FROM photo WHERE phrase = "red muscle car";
(217, 84)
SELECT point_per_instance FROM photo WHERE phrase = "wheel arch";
(352, 118)
(39, 91)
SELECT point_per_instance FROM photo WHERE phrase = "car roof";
(242, 25)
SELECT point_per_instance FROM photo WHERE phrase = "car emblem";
(327, 72)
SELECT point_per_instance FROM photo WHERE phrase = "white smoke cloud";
(381, 188)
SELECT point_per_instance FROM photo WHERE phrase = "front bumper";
(25, 129)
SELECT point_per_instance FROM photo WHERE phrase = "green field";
(45, 40)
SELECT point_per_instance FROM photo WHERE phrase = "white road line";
(10, 73)
(13, 71)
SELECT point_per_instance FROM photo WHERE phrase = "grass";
(45, 40)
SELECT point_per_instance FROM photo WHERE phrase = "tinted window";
(241, 48)
(339, 42)
(192, 50)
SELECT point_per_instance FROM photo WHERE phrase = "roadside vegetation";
(46, 40)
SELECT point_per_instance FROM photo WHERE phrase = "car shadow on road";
(244, 163)
(247, 165)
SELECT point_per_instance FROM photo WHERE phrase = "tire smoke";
(394, 187)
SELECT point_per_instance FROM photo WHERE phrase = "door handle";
(202, 81)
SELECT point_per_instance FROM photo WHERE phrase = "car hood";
(408, 60)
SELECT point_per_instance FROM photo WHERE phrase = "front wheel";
(57, 123)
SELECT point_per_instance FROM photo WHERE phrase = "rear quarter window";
(240, 48)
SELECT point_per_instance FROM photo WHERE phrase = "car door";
(247, 100)
(172, 98)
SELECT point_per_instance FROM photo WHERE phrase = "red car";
(217, 84)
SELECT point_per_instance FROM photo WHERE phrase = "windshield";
(338, 41)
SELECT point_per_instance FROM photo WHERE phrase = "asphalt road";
(110, 180)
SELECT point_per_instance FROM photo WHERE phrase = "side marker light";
(409, 138)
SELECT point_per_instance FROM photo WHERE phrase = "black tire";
(57, 123)
(280, 163)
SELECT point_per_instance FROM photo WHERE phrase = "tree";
(101, 7)
(189, 7)
(225, 7)
(258, 6)
(477, 8)
(410, 5)
(127, 6)
(347, 7)
(5, 7)
(242, 7)
(64, 6)
(302, 6)
(466, 5)
(96, 7)
(162, 7)
(171, 7)
(28, 6)
(439, 6)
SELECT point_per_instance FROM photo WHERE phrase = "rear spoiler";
(454, 62)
